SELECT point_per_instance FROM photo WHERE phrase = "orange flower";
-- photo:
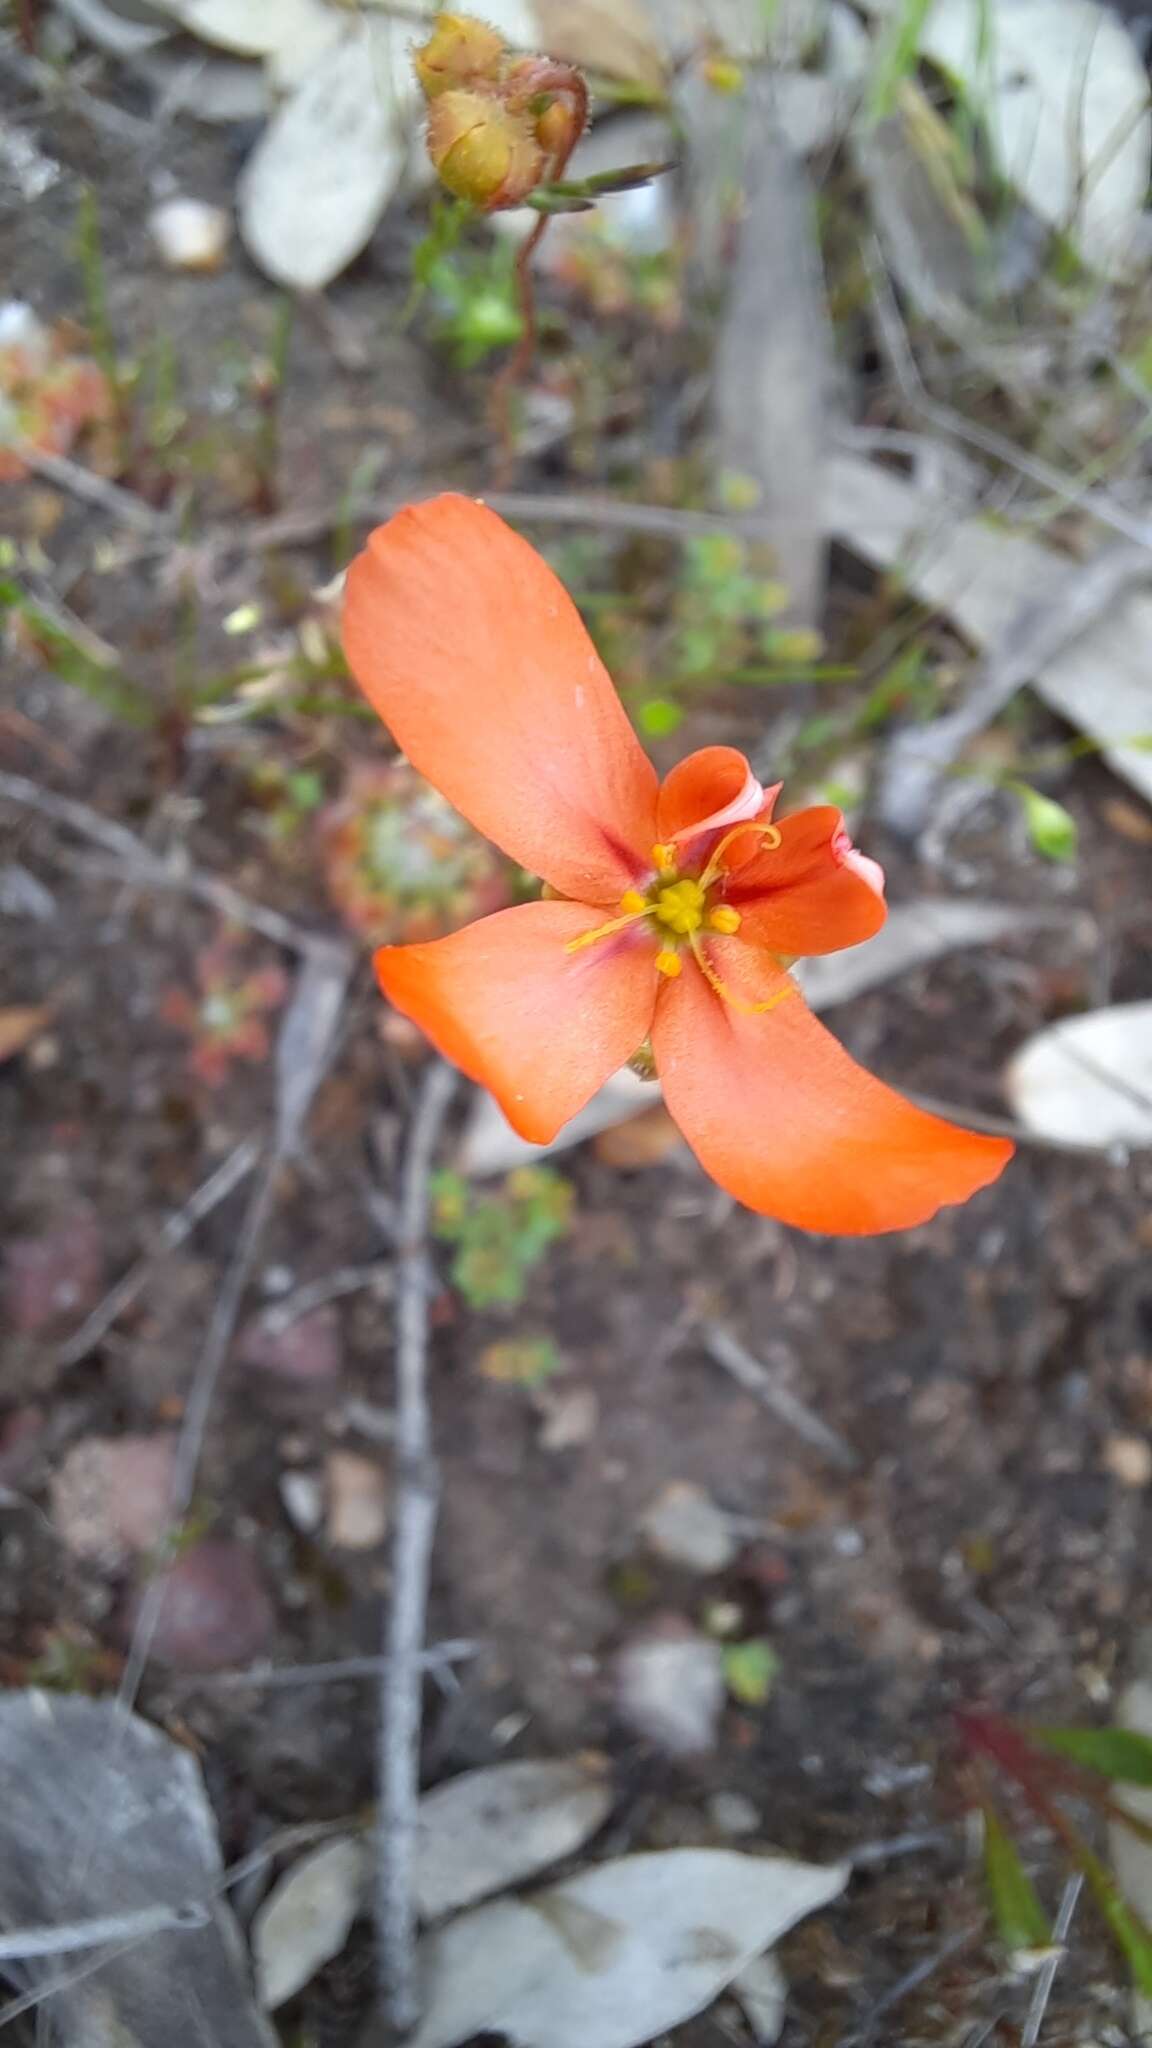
(674, 910)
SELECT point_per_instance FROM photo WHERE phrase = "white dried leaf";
(1088, 1080)
(615, 1955)
(979, 575)
(489, 1829)
(307, 1918)
(913, 935)
(254, 28)
(319, 178)
(121, 34)
(762, 1991)
(218, 90)
(1064, 96)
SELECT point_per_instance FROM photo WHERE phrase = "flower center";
(679, 906)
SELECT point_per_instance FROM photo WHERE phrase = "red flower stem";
(565, 82)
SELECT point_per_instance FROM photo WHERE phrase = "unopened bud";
(481, 152)
(460, 51)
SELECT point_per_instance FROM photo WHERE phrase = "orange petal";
(475, 657)
(540, 1027)
(804, 896)
(705, 792)
(779, 1115)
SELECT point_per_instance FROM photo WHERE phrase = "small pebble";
(686, 1527)
(357, 1501)
(308, 1350)
(111, 1496)
(569, 1417)
(216, 1611)
(190, 234)
(670, 1686)
(732, 1814)
(303, 1497)
(55, 1275)
(1129, 1459)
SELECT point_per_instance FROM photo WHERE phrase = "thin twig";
(190, 1442)
(303, 1048)
(398, 1761)
(91, 489)
(750, 1373)
(947, 421)
(133, 861)
(1035, 635)
(1046, 1975)
(22, 1944)
(301, 529)
(174, 1232)
(314, 1294)
(909, 1982)
(269, 1677)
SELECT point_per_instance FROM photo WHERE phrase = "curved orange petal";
(806, 895)
(539, 1027)
(779, 1114)
(708, 790)
(475, 657)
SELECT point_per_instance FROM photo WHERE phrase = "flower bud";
(481, 152)
(460, 51)
(558, 130)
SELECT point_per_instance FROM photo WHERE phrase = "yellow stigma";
(632, 901)
(724, 919)
(664, 858)
(670, 964)
(680, 906)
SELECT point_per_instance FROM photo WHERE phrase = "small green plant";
(499, 1237)
(1049, 1768)
(474, 302)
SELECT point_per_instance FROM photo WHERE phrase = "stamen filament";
(729, 996)
(605, 931)
(770, 834)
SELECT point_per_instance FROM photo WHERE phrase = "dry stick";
(190, 1441)
(134, 861)
(92, 489)
(21, 1944)
(947, 421)
(398, 1761)
(919, 756)
(174, 1232)
(437, 1657)
(1046, 1975)
(750, 1373)
(303, 1047)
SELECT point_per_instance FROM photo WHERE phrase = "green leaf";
(1051, 828)
(1021, 1921)
(1118, 1753)
(750, 1671)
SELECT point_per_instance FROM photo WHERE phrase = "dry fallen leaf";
(614, 37)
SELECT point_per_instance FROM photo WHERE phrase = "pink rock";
(216, 1610)
(111, 1496)
(55, 1275)
(307, 1350)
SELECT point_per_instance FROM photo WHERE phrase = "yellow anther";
(724, 919)
(664, 858)
(670, 964)
(632, 901)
